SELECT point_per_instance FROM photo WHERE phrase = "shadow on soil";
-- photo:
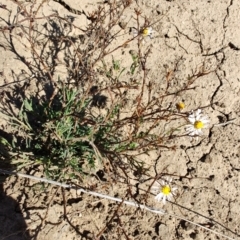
(13, 225)
(12, 222)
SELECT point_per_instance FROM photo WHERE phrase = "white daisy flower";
(198, 122)
(146, 33)
(164, 190)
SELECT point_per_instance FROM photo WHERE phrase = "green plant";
(59, 135)
(104, 112)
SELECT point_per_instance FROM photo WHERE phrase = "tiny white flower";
(197, 123)
(164, 190)
(147, 32)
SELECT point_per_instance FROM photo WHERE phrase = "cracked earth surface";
(208, 170)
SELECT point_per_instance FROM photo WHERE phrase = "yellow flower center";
(145, 32)
(166, 190)
(198, 124)
(180, 105)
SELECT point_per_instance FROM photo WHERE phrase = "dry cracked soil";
(190, 32)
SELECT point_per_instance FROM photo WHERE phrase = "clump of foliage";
(77, 129)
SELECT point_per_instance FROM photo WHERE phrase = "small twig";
(64, 203)
(225, 123)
